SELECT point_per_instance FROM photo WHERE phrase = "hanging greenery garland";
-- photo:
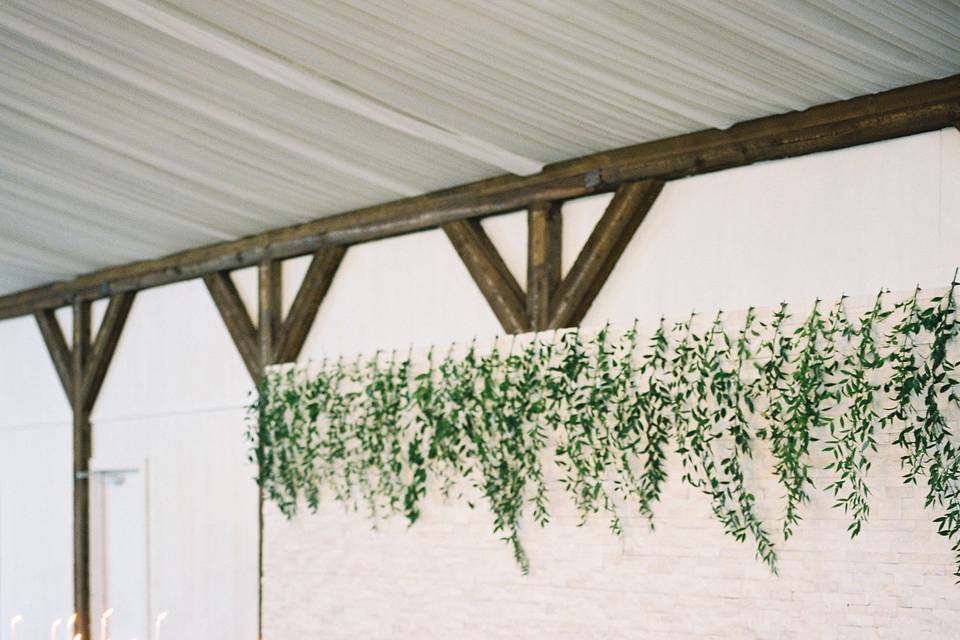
(604, 408)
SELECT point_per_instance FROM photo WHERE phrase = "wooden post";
(82, 451)
(544, 247)
(270, 309)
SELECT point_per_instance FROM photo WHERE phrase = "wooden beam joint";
(552, 301)
(272, 339)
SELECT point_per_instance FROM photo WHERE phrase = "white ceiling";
(130, 129)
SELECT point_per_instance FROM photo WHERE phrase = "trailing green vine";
(651, 402)
(853, 432)
(605, 409)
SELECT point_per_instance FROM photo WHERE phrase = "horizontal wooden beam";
(81, 339)
(891, 114)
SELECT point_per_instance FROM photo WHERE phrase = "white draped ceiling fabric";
(130, 129)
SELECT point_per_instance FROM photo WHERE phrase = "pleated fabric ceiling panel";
(130, 129)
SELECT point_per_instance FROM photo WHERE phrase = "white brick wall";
(329, 576)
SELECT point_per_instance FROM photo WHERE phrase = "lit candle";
(53, 628)
(71, 627)
(17, 619)
(160, 619)
(103, 623)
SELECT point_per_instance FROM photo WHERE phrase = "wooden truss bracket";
(273, 340)
(552, 301)
(82, 368)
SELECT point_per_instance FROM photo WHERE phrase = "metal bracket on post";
(115, 477)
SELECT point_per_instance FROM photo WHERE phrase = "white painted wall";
(35, 487)
(174, 395)
(849, 221)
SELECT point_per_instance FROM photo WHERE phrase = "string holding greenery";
(604, 408)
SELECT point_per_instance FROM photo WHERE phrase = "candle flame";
(77, 637)
(107, 613)
(16, 620)
(73, 619)
(160, 618)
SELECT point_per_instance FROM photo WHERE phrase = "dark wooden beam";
(57, 346)
(101, 353)
(82, 451)
(235, 316)
(303, 311)
(544, 252)
(491, 274)
(603, 248)
(891, 114)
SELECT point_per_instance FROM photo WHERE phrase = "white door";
(120, 553)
